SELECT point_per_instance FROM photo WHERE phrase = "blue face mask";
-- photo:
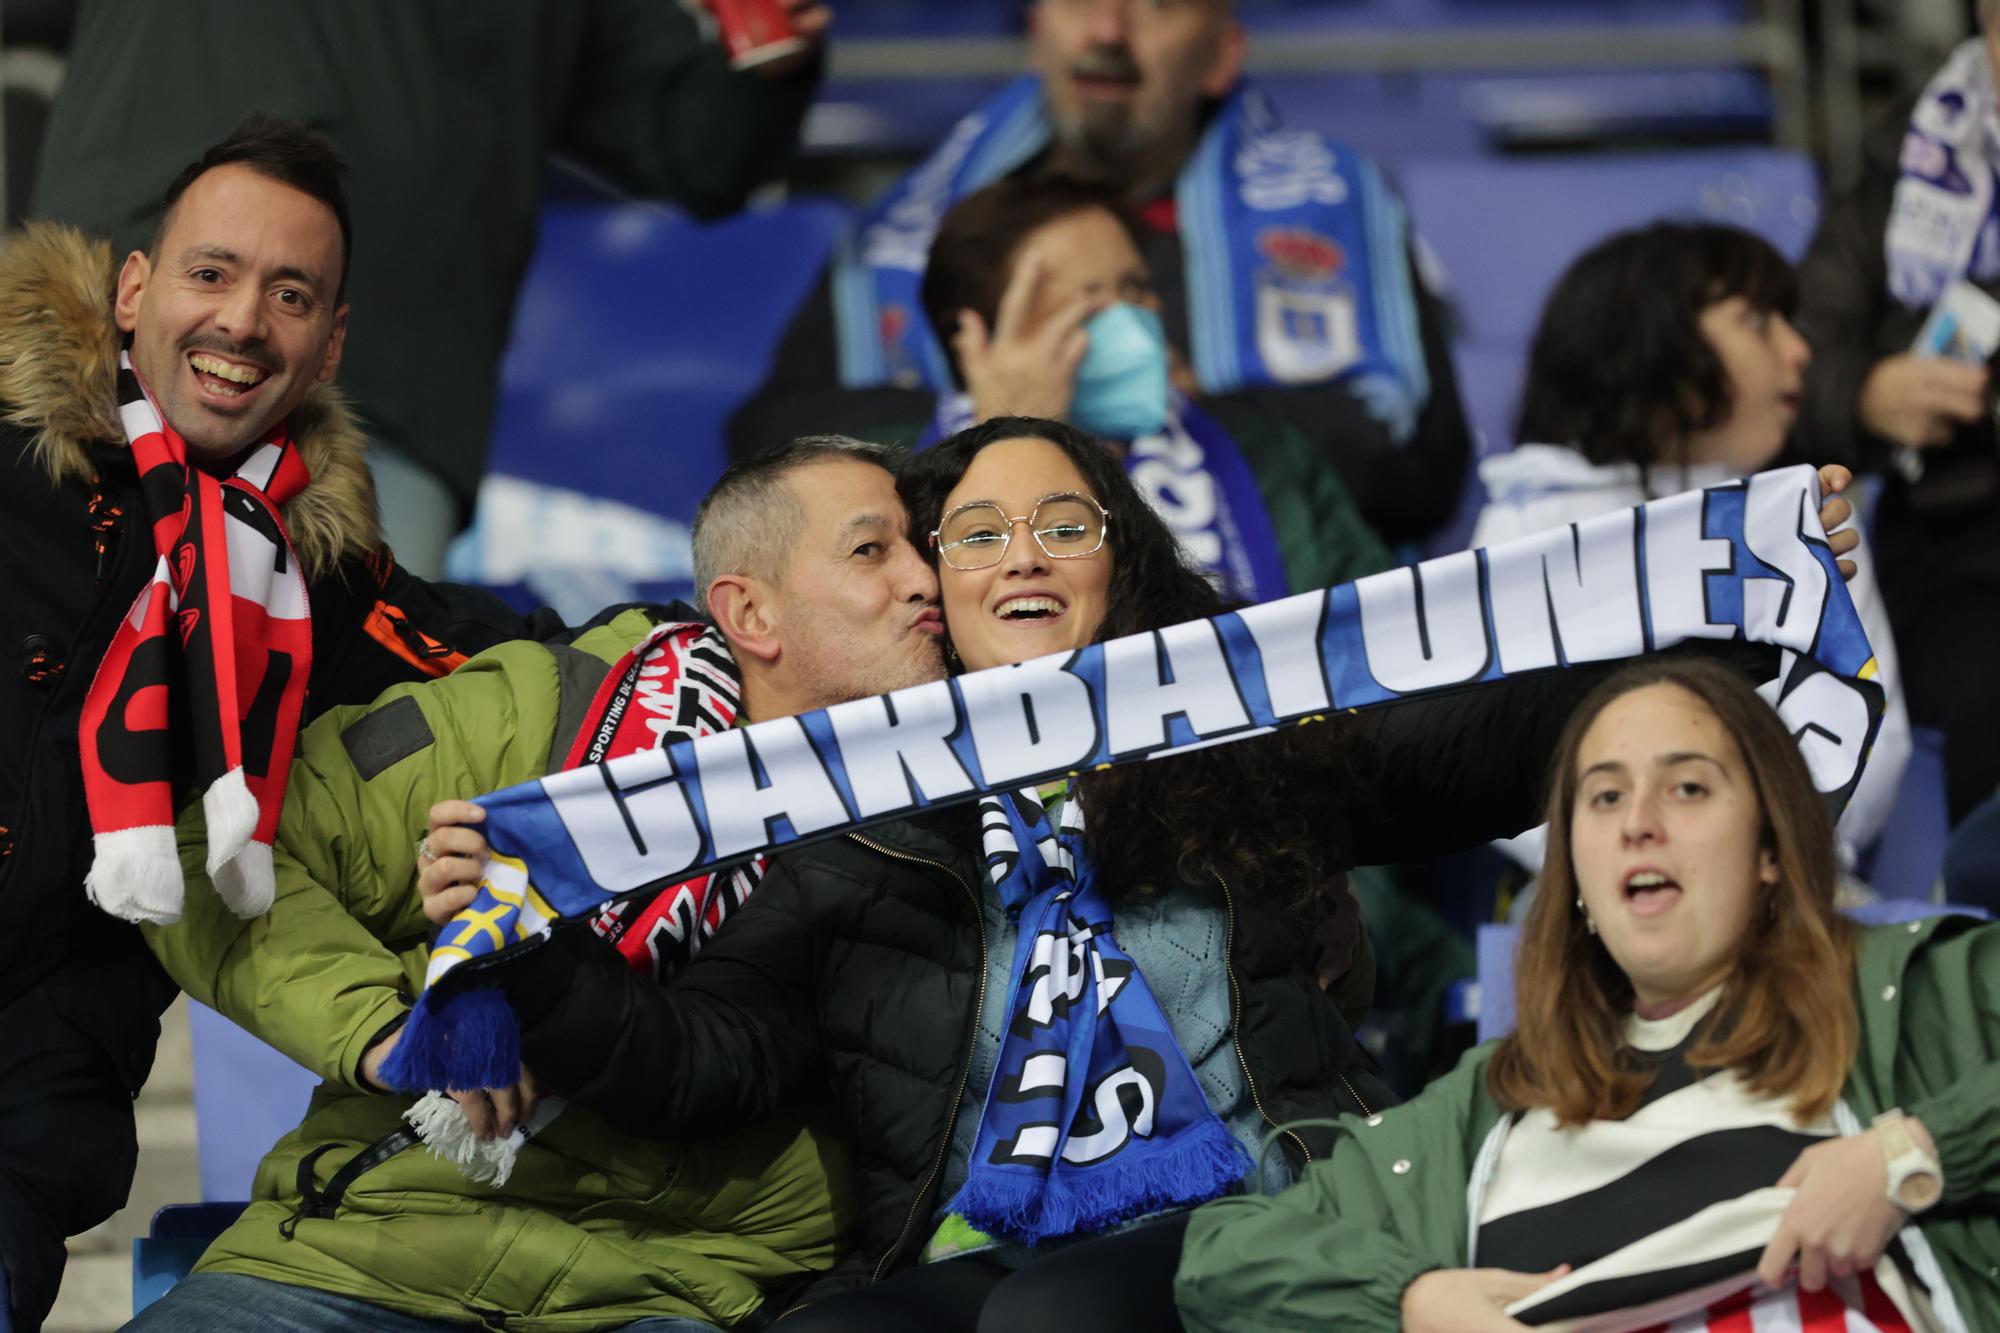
(1121, 384)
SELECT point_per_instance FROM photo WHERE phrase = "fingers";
(1812, 1268)
(1834, 513)
(1777, 1257)
(1847, 570)
(810, 20)
(1795, 1174)
(1833, 478)
(478, 1111)
(444, 903)
(446, 813)
(1018, 300)
(970, 340)
(1070, 355)
(1955, 390)
(506, 1110)
(531, 1095)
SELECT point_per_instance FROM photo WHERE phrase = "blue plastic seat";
(638, 331)
(247, 1096)
(1908, 858)
(1505, 229)
(179, 1234)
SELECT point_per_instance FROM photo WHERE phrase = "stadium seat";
(246, 1097)
(1505, 229)
(180, 1232)
(1908, 858)
(637, 333)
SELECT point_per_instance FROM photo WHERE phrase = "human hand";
(1841, 1219)
(449, 870)
(810, 20)
(1024, 366)
(1470, 1300)
(494, 1113)
(1834, 511)
(1920, 401)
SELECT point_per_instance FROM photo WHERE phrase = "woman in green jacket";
(1723, 1102)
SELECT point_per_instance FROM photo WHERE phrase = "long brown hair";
(1786, 1025)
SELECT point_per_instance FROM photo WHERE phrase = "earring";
(1588, 924)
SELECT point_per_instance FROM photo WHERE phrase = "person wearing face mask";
(1040, 293)
(1725, 1105)
(1665, 360)
(1286, 265)
(880, 969)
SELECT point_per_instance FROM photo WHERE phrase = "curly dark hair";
(1619, 368)
(1264, 813)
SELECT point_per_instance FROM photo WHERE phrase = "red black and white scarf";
(220, 636)
(680, 682)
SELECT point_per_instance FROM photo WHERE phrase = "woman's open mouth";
(1032, 609)
(1649, 893)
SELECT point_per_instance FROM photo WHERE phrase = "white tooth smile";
(244, 375)
(1021, 607)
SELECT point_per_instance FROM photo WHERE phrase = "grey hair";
(751, 519)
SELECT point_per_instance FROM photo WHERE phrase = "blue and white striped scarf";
(1094, 1115)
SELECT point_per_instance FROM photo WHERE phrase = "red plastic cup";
(755, 31)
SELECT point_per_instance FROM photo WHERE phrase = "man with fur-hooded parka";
(80, 995)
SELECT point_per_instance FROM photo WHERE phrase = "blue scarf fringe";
(1203, 1162)
(456, 1043)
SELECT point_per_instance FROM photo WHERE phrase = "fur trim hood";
(59, 379)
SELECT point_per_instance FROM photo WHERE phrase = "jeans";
(233, 1303)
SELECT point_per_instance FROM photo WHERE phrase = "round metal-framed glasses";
(1067, 526)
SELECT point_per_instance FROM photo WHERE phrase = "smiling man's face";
(234, 315)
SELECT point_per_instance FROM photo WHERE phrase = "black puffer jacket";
(856, 970)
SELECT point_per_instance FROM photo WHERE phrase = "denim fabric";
(234, 1303)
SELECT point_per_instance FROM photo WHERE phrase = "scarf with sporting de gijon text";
(1746, 560)
(677, 683)
(222, 634)
(1094, 1115)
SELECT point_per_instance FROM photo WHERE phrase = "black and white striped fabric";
(1664, 1215)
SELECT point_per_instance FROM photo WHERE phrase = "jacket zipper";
(964, 1064)
(1236, 1024)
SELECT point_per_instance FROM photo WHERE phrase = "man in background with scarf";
(538, 1216)
(1285, 265)
(189, 546)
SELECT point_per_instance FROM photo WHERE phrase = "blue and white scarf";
(1094, 1115)
(1942, 224)
(1297, 270)
(1198, 482)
